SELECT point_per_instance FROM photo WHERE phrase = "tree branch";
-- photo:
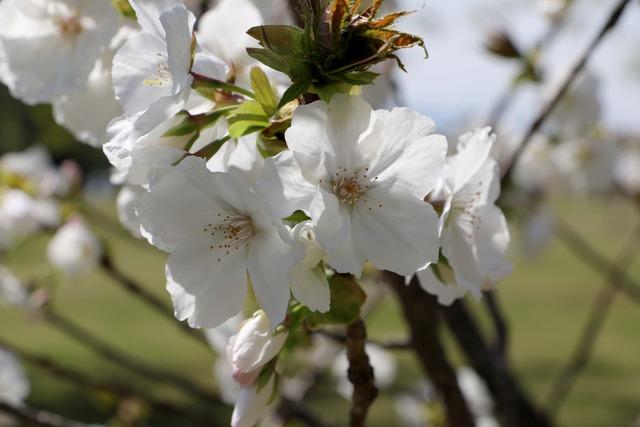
(512, 403)
(37, 417)
(118, 358)
(555, 98)
(595, 322)
(360, 373)
(152, 301)
(81, 380)
(419, 310)
(614, 275)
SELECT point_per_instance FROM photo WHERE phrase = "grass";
(546, 301)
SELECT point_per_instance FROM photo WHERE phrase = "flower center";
(350, 187)
(70, 27)
(230, 233)
(162, 77)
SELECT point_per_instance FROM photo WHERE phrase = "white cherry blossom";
(362, 177)
(535, 169)
(586, 164)
(474, 233)
(151, 72)
(14, 385)
(74, 249)
(50, 46)
(216, 230)
(126, 206)
(12, 291)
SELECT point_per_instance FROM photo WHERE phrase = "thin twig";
(37, 417)
(152, 301)
(420, 312)
(360, 373)
(595, 322)
(118, 358)
(555, 98)
(81, 380)
(289, 408)
(600, 264)
(403, 344)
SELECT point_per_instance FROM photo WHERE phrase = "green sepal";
(265, 94)
(293, 92)
(347, 299)
(123, 7)
(297, 217)
(249, 117)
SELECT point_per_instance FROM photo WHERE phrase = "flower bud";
(304, 232)
(253, 347)
(252, 403)
(74, 249)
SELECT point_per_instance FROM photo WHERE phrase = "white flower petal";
(310, 287)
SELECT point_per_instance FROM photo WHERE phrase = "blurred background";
(548, 299)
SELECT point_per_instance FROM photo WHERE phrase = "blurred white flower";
(71, 109)
(12, 291)
(361, 176)
(552, 9)
(385, 368)
(627, 169)
(14, 385)
(535, 169)
(539, 229)
(126, 207)
(74, 249)
(252, 404)
(474, 232)
(51, 46)
(225, 233)
(34, 163)
(579, 111)
(587, 164)
(17, 213)
(478, 397)
(413, 412)
(252, 347)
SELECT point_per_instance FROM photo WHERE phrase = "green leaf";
(202, 82)
(359, 77)
(247, 118)
(294, 91)
(281, 39)
(297, 216)
(347, 298)
(265, 94)
(184, 128)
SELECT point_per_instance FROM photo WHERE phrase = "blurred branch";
(117, 358)
(37, 417)
(360, 373)
(81, 380)
(512, 402)
(560, 91)
(420, 312)
(289, 408)
(615, 275)
(491, 302)
(149, 299)
(595, 322)
(387, 345)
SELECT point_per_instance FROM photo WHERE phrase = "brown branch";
(360, 373)
(404, 344)
(512, 402)
(289, 408)
(420, 311)
(501, 341)
(615, 275)
(37, 417)
(149, 299)
(562, 89)
(83, 381)
(118, 358)
(581, 355)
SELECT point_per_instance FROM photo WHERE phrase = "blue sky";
(459, 82)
